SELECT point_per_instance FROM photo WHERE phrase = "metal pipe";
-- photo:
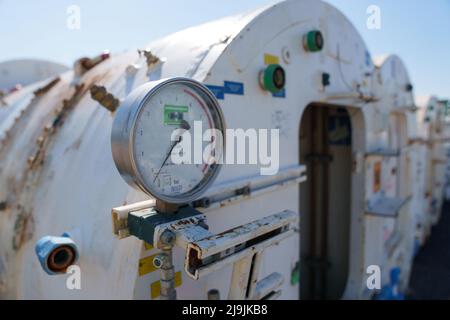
(164, 262)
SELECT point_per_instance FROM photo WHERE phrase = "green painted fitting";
(295, 274)
(313, 41)
(273, 78)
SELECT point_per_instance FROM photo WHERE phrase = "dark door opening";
(325, 201)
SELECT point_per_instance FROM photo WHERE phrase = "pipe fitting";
(168, 238)
(160, 260)
(56, 254)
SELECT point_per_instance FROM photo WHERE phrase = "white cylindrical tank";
(432, 125)
(401, 168)
(27, 71)
(58, 175)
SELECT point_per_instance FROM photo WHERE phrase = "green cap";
(313, 41)
(273, 78)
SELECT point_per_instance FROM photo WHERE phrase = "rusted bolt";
(167, 238)
(149, 56)
(98, 92)
(84, 64)
(107, 100)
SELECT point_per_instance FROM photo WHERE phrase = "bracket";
(206, 252)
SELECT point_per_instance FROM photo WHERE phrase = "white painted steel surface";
(71, 184)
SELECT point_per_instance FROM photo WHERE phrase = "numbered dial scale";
(148, 132)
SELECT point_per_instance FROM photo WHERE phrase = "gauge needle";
(184, 125)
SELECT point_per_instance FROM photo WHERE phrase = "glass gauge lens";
(171, 128)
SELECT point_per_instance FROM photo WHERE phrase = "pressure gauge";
(149, 129)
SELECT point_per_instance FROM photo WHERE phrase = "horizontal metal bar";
(119, 216)
(218, 243)
(403, 110)
(233, 191)
(215, 252)
(386, 207)
(352, 96)
(205, 270)
(383, 153)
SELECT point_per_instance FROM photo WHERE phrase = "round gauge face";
(168, 128)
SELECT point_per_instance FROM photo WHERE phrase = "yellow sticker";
(270, 59)
(146, 265)
(155, 287)
(148, 246)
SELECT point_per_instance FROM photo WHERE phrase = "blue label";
(231, 87)
(217, 91)
(280, 94)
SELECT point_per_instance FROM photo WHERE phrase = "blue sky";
(417, 30)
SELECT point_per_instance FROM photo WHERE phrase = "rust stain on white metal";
(78, 199)
(225, 243)
(212, 245)
(22, 187)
